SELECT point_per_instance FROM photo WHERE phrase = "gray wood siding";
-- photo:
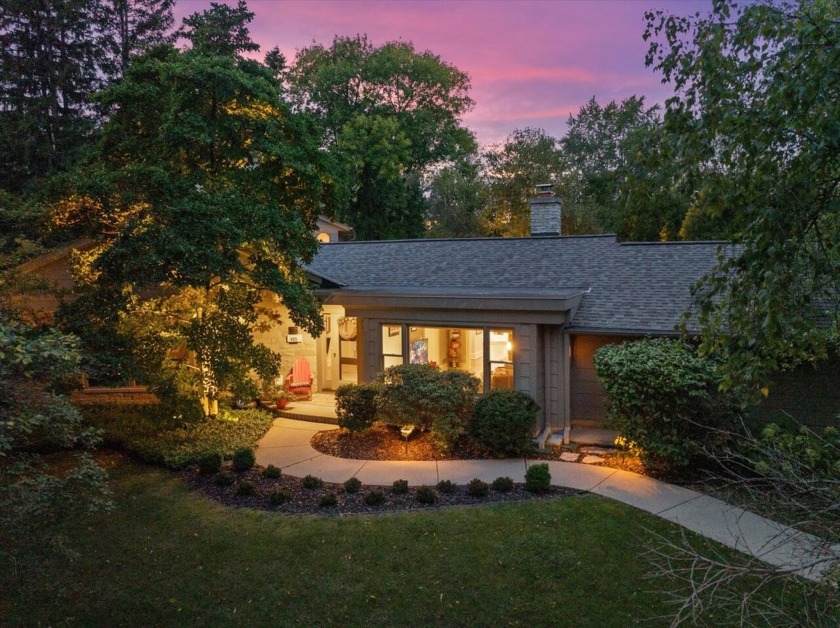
(587, 402)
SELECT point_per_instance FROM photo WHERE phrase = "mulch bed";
(300, 500)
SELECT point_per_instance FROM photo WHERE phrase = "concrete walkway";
(286, 445)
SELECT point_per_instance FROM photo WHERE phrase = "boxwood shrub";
(355, 406)
(504, 420)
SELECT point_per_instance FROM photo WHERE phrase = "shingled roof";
(630, 287)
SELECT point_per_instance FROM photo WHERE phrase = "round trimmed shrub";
(210, 462)
(446, 487)
(246, 488)
(502, 485)
(375, 498)
(425, 495)
(312, 483)
(477, 488)
(355, 406)
(244, 459)
(538, 478)
(278, 498)
(503, 422)
(224, 478)
(352, 485)
(271, 472)
(327, 500)
(399, 487)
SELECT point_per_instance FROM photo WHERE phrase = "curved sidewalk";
(286, 445)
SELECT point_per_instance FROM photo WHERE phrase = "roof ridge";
(480, 239)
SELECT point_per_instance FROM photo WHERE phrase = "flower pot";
(282, 402)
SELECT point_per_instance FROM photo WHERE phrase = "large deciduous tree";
(389, 114)
(756, 108)
(203, 195)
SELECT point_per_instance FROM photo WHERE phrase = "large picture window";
(484, 352)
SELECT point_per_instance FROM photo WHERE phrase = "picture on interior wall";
(393, 330)
(419, 353)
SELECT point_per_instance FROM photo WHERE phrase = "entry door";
(328, 354)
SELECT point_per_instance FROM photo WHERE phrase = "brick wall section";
(545, 216)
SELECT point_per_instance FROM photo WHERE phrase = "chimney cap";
(545, 189)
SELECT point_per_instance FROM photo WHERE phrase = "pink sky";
(531, 62)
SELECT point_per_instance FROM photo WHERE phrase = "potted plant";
(283, 397)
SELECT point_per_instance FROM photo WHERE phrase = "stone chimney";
(545, 211)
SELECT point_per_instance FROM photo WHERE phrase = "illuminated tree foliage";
(203, 195)
(756, 113)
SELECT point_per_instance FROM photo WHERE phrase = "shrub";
(352, 485)
(327, 500)
(425, 495)
(159, 435)
(271, 472)
(278, 498)
(423, 395)
(243, 459)
(477, 488)
(502, 485)
(375, 498)
(663, 398)
(312, 483)
(446, 487)
(210, 462)
(246, 487)
(399, 487)
(224, 478)
(355, 406)
(538, 478)
(503, 422)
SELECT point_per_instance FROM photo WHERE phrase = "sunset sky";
(531, 62)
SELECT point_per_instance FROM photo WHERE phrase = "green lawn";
(168, 557)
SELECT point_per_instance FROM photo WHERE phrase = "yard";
(168, 556)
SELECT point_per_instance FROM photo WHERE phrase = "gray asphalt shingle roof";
(638, 287)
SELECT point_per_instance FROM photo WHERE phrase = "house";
(524, 313)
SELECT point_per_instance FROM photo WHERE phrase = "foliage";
(538, 478)
(355, 406)
(271, 472)
(389, 113)
(246, 488)
(423, 395)
(244, 459)
(513, 169)
(278, 498)
(38, 490)
(328, 500)
(503, 422)
(446, 487)
(210, 462)
(224, 478)
(502, 484)
(399, 487)
(663, 398)
(477, 488)
(156, 436)
(425, 495)
(457, 196)
(352, 485)
(203, 194)
(375, 498)
(311, 482)
(754, 120)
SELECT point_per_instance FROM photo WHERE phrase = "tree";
(756, 104)
(137, 25)
(598, 149)
(527, 157)
(754, 122)
(389, 114)
(456, 198)
(203, 194)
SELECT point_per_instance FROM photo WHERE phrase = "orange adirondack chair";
(299, 380)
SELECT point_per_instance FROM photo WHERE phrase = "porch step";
(307, 411)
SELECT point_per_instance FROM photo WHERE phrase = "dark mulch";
(300, 500)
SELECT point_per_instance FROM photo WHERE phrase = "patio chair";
(299, 380)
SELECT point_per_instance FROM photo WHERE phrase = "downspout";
(546, 428)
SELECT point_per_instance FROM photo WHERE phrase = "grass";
(169, 557)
